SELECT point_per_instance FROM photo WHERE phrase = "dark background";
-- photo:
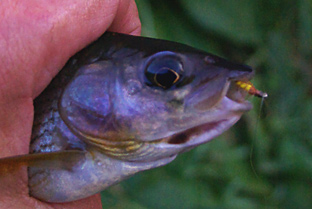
(268, 165)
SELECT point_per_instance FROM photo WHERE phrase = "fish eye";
(164, 71)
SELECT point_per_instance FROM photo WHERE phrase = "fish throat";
(114, 147)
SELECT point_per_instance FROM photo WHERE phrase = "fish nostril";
(178, 139)
(209, 60)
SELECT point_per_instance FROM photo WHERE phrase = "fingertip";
(127, 18)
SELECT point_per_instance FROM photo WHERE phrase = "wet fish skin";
(103, 105)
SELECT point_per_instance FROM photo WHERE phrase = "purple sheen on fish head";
(153, 111)
(86, 104)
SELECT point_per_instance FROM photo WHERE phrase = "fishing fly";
(249, 87)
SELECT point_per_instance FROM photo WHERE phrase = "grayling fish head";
(155, 103)
(136, 103)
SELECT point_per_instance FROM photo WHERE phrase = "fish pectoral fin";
(52, 160)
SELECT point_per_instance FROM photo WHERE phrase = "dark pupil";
(164, 72)
(166, 78)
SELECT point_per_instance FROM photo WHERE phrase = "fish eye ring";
(164, 70)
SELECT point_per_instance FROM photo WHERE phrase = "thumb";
(38, 37)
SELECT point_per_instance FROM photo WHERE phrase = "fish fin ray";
(65, 159)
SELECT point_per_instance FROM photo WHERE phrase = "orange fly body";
(247, 86)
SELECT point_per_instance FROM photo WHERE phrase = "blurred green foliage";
(251, 166)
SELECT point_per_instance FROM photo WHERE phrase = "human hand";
(37, 37)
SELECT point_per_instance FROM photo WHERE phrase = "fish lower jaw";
(232, 112)
(210, 132)
(200, 134)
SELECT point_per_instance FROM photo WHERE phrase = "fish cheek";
(86, 105)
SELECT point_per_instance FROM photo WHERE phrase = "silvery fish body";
(130, 104)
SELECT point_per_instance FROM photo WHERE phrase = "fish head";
(148, 99)
(135, 103)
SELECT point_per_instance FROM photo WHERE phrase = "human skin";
(37, 37)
